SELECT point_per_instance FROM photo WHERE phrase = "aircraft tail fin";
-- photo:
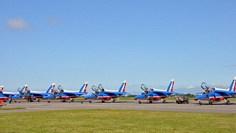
(122, 87)
(24, 89)
(170, 88)
(84, 87)
(51, 88)
(233, 85)
(1, 89)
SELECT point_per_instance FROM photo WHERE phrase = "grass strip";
(109, 120)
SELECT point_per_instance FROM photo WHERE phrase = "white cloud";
(17, 24)
(191, 87)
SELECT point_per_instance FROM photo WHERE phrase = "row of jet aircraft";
(99, 93)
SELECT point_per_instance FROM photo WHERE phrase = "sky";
(106, 42)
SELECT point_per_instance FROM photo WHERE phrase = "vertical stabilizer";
(1, 89)
(170, 88)
(51, 88)
(24, 89)
(233, 85)
(84, 87)
(122, 87)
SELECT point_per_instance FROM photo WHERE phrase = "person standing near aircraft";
(10, 99)
(32, 97)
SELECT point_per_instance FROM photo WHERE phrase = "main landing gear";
(200, 103)
(227, 101)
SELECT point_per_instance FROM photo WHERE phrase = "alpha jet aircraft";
(216, 94)
(70, 94)
(38, 95)
(155, 94)
(15, 95)
(102, 94)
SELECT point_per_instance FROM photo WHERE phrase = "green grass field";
(124, 121)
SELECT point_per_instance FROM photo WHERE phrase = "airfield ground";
(193, 106)
(120, 117)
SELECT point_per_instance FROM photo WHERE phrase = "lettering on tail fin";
(84, 87)
(170, 88)
(233, 85)
(122, 87)
(1, 89)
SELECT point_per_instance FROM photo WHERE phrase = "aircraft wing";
(163, 93)
(38, 94)
(112, 93)
(71, 94)
(179, 93)
(92, 96)
(3, 97)
(225, 92)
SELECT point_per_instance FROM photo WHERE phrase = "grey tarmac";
(193, 106)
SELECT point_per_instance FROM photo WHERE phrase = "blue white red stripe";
(84, 87)
(1, 89)
(171, 86)
(122, 87)
(233, 85)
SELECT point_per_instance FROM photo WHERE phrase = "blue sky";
(151, 42)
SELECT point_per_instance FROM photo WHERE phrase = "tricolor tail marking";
(24, 89)
(170, 88)
(84, 87)
(51, 88)
(122, 87)
(233, 85)
(1, 89)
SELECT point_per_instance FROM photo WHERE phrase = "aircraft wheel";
(228, 102)
(187, 102)
(71, 100)
(113, 100)
(38, 100)
(90, 101)
(103, 101)
(150, 101)
(210, 102)
(139, 102)
(200, 103)
(48, 101)
(164, 101)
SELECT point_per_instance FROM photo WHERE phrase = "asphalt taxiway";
(193, 106)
